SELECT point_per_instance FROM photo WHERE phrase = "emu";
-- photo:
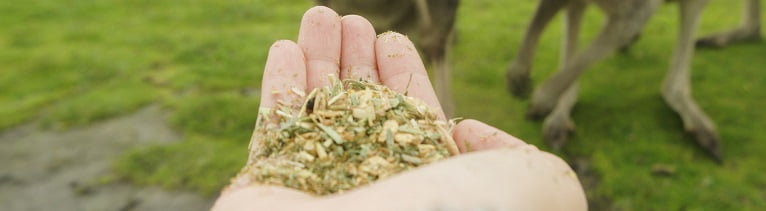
(554, 99)
(433, 23)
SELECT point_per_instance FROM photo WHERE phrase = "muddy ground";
(61, 170)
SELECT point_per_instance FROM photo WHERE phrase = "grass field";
(68, 64)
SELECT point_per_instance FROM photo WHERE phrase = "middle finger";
(358, 49)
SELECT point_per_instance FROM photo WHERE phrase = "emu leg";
(616, 32)
(559, 125)
(749, 29)
(517, 73)
(676, 88)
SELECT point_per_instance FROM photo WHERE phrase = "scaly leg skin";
(749, 29)
(517, 73)
(436, 48)
(542, 105)
(696, 122)
(618, 30)
(559, 125)
(615, 33)
(436, 37)
(676, 88)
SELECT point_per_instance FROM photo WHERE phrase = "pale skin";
(495, 171)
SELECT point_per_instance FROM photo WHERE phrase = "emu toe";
(520, 86)
(709, 141)
(556, 132)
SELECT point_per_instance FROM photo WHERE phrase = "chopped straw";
(345, 135)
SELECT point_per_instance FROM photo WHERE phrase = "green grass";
(201, 163)
(623, 126)
(99, 103)
(69, 64)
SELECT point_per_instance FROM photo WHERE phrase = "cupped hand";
(504, 172)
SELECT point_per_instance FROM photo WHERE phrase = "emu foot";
(723, 39)
(709, 141)
(625, 48)
(556, 131)
(540, 106)
(519, 82)
(538, 111)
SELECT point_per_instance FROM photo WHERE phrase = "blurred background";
(145, 104)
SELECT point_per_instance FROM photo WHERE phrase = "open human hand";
(503, 173)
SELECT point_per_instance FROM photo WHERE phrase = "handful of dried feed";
(345, 135)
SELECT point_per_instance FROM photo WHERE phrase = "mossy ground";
(69, 64)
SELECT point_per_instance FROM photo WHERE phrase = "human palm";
(505, 174)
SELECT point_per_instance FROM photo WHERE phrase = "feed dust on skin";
(487, 138)
(391, 36)
(343, 136)
(468, 146)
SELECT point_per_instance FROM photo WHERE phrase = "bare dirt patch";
(62, 170)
